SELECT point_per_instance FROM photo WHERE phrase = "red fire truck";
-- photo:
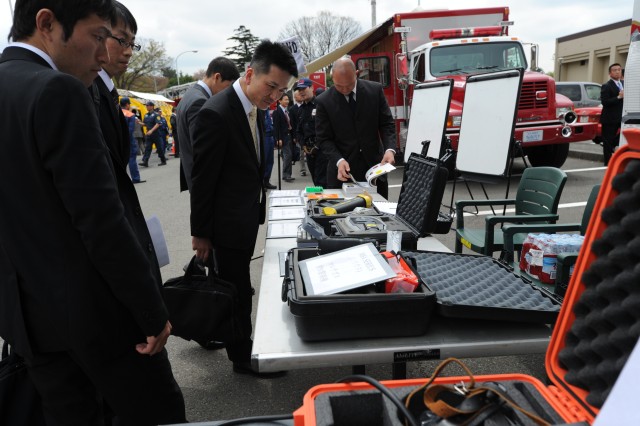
(415, 47)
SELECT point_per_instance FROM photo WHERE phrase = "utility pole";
(373, 13)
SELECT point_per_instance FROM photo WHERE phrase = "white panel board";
(428, 118)
(488, 119)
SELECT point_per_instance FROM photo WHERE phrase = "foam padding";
(462, 282)
(607, 314)
(422, 190)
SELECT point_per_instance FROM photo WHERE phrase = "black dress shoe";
(268, 185)
(139, 181)
(163, 163)
(245, 368)
(143, 164)
(211, 345)
(289, 179)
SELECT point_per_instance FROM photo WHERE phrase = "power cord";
(386, 392)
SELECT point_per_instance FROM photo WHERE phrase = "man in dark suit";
(227, 193)
(113, 124)
(282, 132)
(612, 98)
(221, 72)
(78, 298)
(354, 127)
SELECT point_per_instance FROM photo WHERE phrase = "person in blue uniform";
(164, 130)
(153, 123)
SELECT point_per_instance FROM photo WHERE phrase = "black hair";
(67, 12)
(614, 65)
(123, 14)
(268, 53)
(225, 67)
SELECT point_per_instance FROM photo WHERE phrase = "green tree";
(145, 67)
(245, 43)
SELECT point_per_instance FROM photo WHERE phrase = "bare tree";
(145, 67)
(321, 34)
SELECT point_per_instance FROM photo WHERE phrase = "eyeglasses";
(124, 43)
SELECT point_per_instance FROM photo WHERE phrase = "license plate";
(532, 136)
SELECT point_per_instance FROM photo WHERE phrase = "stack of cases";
(597, 328)
(418, 212)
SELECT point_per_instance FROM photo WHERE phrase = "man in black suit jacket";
(228, 196)
(354, 134)
(78, 298)
(221, 72)
(282, 132)
(612, 98)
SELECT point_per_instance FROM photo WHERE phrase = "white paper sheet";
(286, 201)
(158, 240)
(344, 270)
(283, 229)
(285, 193)
(386, 206)
(283, 213)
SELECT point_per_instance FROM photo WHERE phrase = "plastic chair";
(536, 201)
(565, 261)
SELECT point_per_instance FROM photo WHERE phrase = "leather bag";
(202, 307)
(20, 403)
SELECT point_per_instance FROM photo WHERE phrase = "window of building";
(375, 69)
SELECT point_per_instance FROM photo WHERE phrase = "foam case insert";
(480, 287)
(361, 314)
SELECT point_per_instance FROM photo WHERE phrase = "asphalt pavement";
(211, 389)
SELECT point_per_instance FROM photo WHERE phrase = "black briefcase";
(202, 307)
(20, 403)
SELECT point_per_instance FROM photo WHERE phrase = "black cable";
(386, 392)
(246, 420)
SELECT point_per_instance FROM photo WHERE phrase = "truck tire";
(548, 155)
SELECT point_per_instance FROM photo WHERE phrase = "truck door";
(378, 67)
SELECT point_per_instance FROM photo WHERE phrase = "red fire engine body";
(416, 47)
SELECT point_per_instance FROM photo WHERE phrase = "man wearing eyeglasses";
(120, 45)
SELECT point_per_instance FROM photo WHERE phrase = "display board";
(428, 118)
(488, 122)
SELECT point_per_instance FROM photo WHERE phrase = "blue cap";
(303, 83)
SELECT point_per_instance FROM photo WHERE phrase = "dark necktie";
(352, 103)
(115, 96)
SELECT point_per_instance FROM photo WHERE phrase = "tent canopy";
(148, 96)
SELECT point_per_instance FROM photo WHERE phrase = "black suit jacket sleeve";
(84, 180)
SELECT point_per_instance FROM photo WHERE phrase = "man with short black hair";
(221, 73)
(78, 299)
(153, 122)
(612, 98)
(227, 193)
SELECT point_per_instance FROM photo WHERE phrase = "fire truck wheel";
(548, 155)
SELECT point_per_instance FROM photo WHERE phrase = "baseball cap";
(303, 83)
(149, 103)
(125, 101)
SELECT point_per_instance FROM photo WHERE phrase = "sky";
(205, 25)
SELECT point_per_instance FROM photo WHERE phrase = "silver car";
(582, 93)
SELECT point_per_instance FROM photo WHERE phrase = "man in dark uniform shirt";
(306, 133)
(153, 123)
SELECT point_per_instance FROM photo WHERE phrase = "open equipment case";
(597, 328)
(418, 213)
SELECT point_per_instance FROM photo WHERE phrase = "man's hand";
(389, 157)
(279, 143)
(202, 246)
(621, 94)
(344, 171)
(155, 343)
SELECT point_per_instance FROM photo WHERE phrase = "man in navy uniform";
(153, 123)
